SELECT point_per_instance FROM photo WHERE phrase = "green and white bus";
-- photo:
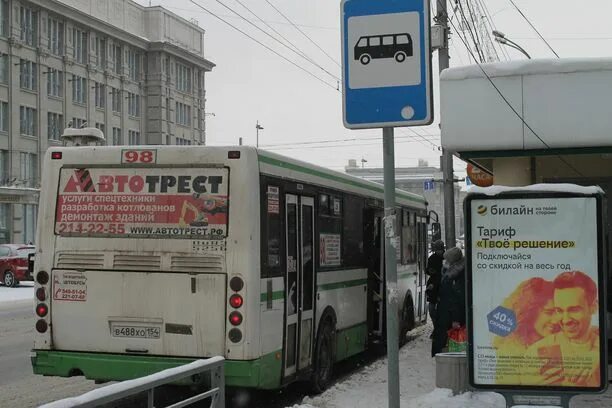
(150, 257)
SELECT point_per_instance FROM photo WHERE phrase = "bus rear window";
(188, 203)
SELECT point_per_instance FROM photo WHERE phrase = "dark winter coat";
(434, 270)
(451, 305)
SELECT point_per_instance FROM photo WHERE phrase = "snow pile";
(19, 294)
(538, 188)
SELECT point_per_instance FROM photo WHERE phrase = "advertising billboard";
(536, 291)
(145, 202)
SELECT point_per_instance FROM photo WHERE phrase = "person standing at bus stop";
(450, 312)
(434, 271)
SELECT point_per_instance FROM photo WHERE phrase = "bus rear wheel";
(407, 320)
(365, 59)
(400, 56)
(324, 358)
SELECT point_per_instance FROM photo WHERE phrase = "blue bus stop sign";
(386, 63)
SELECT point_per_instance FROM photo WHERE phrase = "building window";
(55, 83)
(100, 95)
(183, 78)
(116, 136)
(101, 52)
(4, 18)
(79, 45)
(4, 114)
(133, 104)
(77, 123)
(182, 141)
(4, 173)
(79, 89)
(29, 223)
(29, 169)
(134, 63)
(183, 114)
(118, 67)
(4, 72)
(28, 74)
(133, 137)
(101, 127)
(55, 125)
(116, 99)
(29, 26)
(28, 119)
(55, 32)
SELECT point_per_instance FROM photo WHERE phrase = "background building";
(136, 73)
(418, 180)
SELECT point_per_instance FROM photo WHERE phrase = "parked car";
(14, 263)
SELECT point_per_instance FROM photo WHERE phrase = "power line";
(297, 49)
(493, 26)
(265, 46)
(499, 92)
(339, 145)
(313, 142)
(534, 29)
(303, 33)
(298, 53)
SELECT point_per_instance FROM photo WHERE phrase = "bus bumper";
(263, 373)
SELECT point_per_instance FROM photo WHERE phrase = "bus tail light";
(56, 155)
(41, 326)
(236, 284)
(42, 277)
(235, 318)
(42, 310)
(235, 335)
(236, 301)
(233, 154)
(40, 294)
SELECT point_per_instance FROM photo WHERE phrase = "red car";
(14, 263)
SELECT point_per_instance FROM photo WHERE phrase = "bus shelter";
(534, 121)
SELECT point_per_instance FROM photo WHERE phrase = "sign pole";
(391, 269)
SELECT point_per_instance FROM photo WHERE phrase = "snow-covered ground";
(20, 294)
(368, 387)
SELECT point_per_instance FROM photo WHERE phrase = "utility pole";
(258, 127)
(447, 157)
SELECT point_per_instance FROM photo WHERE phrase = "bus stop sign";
(386, 63)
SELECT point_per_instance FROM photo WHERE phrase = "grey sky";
(250, 83)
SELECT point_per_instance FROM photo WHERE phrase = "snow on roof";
(537, 188)
(528, 67)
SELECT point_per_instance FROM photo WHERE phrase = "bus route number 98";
(138, 156)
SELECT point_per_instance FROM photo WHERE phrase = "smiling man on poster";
(570, 357)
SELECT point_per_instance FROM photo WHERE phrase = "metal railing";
(125, 389)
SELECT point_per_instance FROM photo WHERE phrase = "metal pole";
(257, 128)
(391, 269)
(447, 157)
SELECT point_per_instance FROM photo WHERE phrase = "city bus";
(151, 257)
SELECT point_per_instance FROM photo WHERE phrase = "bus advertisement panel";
(535, 292)
(143, 202)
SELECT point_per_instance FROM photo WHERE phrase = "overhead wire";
(354, 139)
(303, 33)
(265, 46)
(466, 23)
(493, 26)
(534, 28)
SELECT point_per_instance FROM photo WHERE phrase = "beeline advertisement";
(534, 277)
(146, 202)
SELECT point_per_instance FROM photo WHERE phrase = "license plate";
(138, 332)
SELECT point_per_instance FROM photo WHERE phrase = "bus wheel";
(365, 59)
(407, 320)
(400, 56)
(324, 358)
(9, 279)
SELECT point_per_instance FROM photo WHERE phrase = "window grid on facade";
(29, 222)
(183, 114)
(29, 26)
(4, 113)
(4, 18)
(133, 104)
(183, 78)
(28, 169)
(100, 95)
(133, 137)
(101, 127)
(55, 34)
(55, 83)
(4, 71)
(79, 89)
(27, 74)
(134, 64)
(116, 136)
(78, 122)
(28, 121)
(55, 125)
(118, 66)
(79, 45)
(101, 52)
(116, 100)
(182, 141)
(4, 173)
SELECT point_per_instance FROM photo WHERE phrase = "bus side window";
(408, 238)
(273, 224)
